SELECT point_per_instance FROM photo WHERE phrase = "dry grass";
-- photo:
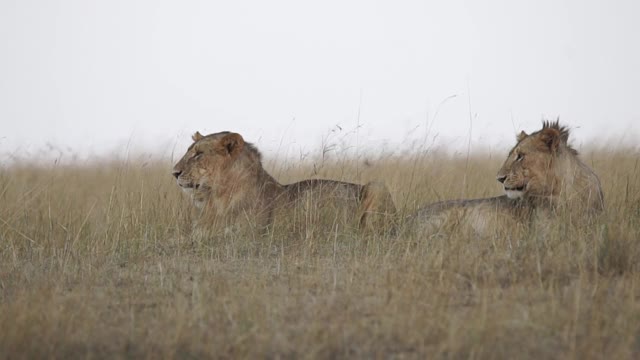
(97, 261)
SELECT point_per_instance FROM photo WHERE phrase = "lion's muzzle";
(514, 192)
(183, 183)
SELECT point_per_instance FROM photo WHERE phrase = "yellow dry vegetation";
(99, 261)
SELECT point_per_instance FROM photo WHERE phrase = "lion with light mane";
(225, 178)
(541, 175)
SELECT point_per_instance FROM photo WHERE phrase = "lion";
(544, 170)
(228, 185)
(541, 176)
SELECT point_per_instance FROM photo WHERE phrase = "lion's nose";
(176, 173)
(501, 178)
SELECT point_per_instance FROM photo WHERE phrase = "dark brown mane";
(254, 150)
(563, 130)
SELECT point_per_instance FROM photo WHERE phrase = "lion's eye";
(197, 155)
(519, 157)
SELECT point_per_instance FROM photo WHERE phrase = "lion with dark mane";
(542, 174)
(225, 178)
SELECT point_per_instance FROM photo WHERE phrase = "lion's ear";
(551, 137)
(521, 136)
(231, 144)
(197, 136)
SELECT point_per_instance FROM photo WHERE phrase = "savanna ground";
(97, 261)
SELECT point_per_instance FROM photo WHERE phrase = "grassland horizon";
(97, 260)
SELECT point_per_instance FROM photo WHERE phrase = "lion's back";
(321, 193)
(481, 216)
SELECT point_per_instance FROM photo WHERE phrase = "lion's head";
(543, 166)
(214, 163)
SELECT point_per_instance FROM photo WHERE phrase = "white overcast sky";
(89, 76)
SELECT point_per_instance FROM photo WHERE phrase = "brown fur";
(543, 169)
(228, 184)
(542, 173)
(482, 217)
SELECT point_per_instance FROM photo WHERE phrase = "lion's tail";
(377, 211)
